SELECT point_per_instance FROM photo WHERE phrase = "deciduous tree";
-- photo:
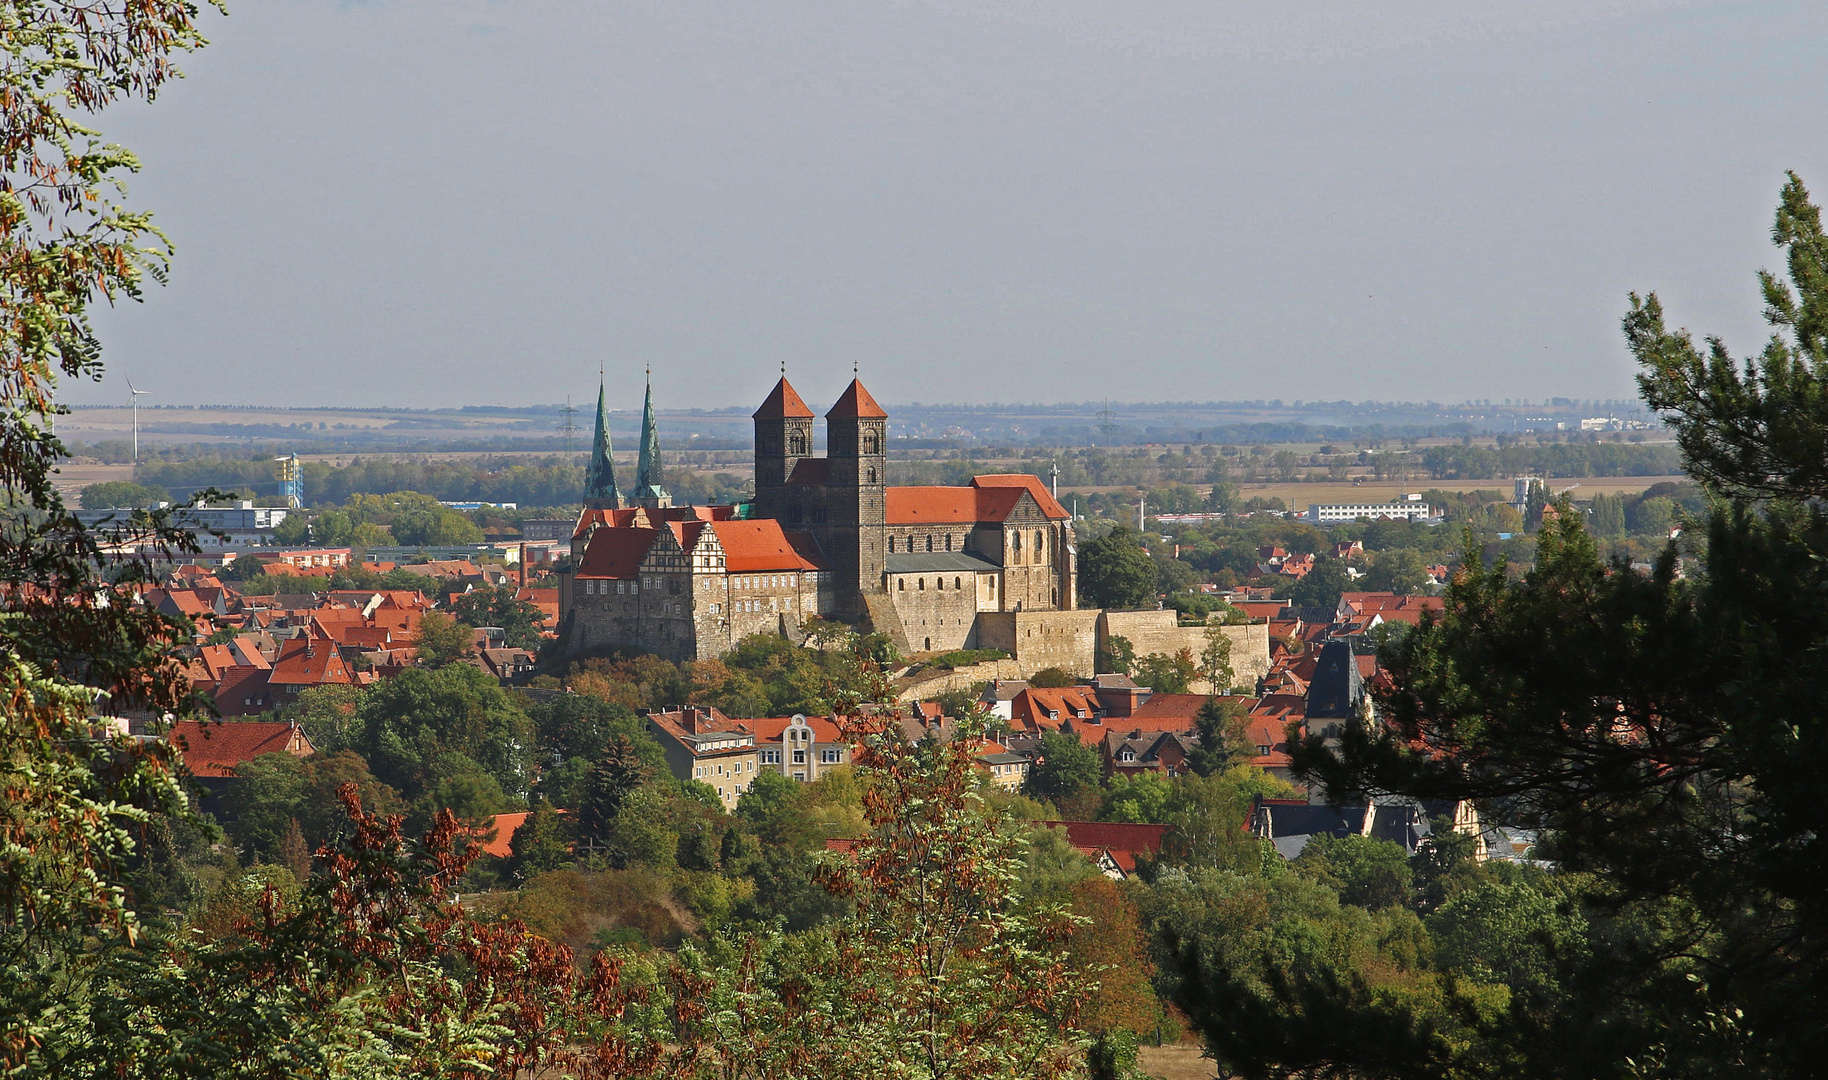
(1064, 768)
(1115, 572)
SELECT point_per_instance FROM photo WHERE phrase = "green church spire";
(600, 491)
(648, 489)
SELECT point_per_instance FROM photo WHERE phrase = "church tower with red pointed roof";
(856, 438)
(783, 438)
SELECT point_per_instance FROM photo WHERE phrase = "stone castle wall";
(1159, 632)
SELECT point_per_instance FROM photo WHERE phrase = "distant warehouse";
(1411, 508)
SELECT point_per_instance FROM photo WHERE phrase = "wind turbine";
(136, 418)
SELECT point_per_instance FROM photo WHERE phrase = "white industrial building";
(1411, 508)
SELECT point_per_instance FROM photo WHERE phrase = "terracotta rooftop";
(1124, 841)
(504, 826)
(216, 749)
(987, 498)
(306, 661)
(760, 545)
(616, 553)
(783, 402)
(856, 404)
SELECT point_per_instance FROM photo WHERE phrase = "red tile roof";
(761, 545)
(1032, 706)
(1170, 708)
(243, 691)
(988, 498)
(547, 600)
(216, 749)
(769, 728)
(782, 402)
(367, 637)
(1261, 609)
(1027, 482)
(1124, 841)
(856, 404)
(616, 553)
(309, 662)
(931, 505)
(504, 826)
(444, 568)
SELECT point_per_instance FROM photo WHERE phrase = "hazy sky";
(451, 202)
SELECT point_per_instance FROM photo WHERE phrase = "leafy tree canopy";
(1064, 768)
(1662, 729)
(1115, 572)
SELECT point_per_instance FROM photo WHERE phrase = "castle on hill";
(823, 536)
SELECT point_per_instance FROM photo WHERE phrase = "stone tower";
(856, 437)
(600, 491)
(649, 491)
(783, 435)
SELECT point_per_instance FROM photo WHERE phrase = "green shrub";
(959, 658)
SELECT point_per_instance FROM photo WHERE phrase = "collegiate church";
(823, 536)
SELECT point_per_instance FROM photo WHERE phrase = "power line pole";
(1107, 424)
(568, 425)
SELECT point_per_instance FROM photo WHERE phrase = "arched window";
(1016, 538)
(921, 584)
(958, 583)
(872, 478)
(891, 545)
(901, 584)
(929, 543)
(939, 583)
(948, 541)
(870, 445)
(1039, 544)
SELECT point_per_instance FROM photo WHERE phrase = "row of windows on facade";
(762, 581)
(767, 603)
(626, 586)
(906, 543)
(798, 446)
(736, 769)
(827, 756)
(939, 584)
(601, 587)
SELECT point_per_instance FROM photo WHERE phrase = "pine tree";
(1664, 730)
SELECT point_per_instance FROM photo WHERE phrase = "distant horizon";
(1553, 402)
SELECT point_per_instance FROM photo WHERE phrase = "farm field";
(1176, 1061)
(71, 478)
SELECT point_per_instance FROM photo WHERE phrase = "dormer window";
(1127, 755)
